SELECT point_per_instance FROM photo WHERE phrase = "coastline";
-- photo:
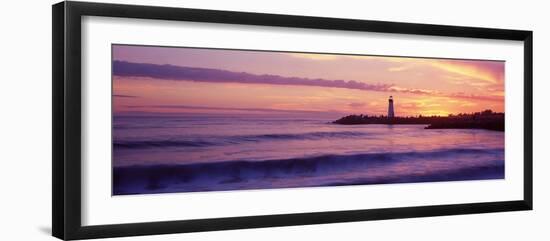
(486, 120)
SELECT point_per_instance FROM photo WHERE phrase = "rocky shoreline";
(487, 120)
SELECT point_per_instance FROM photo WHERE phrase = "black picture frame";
(66, 158)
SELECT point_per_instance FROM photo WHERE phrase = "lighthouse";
(390, 107)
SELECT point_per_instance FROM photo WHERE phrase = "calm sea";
(214, 153)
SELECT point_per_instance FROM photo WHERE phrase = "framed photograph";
(169, 120)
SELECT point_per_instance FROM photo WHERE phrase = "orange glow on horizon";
(419, 86)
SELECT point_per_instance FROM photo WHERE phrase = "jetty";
(487, 120)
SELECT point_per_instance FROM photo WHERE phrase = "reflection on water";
(181, 154)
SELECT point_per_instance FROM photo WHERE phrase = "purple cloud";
(190, 107)
(182, 73)
(476, 97)
(356, 105)
(125, 96)
(172, 72)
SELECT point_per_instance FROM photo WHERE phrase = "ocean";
(166, 154)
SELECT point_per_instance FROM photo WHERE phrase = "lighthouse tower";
(390, 108)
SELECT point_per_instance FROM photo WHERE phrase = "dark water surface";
(206, 153)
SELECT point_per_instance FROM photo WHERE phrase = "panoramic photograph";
(201, 119)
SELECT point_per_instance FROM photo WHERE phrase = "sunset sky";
(208, 81)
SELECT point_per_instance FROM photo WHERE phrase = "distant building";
(390, 108)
